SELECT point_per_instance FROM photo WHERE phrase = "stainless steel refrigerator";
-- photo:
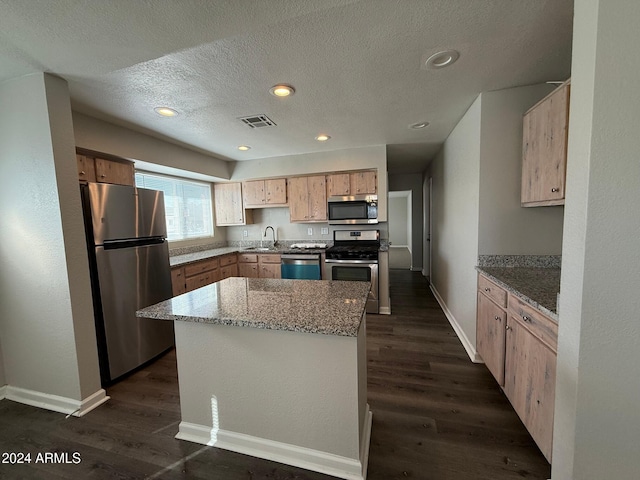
(129, 265)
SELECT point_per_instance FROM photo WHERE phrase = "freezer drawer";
(131, 279)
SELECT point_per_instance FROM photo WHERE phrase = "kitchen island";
(275, 369)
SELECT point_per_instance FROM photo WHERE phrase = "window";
(187, 205)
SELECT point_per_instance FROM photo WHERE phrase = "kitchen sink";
(260, 249)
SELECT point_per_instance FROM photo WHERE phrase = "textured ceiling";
(355, 64)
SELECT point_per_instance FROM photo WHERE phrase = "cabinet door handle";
(487, 289)
(82, 172)
(497, 318)
(507, 327)
(554, 190)
(526, 319)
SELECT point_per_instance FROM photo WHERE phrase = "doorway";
(399, 220)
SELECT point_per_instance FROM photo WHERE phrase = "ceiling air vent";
(258, 121)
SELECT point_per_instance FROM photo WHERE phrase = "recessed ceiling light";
(418, 126)
(282, 90)
(244, 148)
(166, 111)
(322, 138)
(442, 59)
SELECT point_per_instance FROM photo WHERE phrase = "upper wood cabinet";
(363, 182)
(110, 171)
(544, 149)
(308, 199)
(338, 184)
(228, 205)
(86, 168)
(95, 169)
(265, 193)
(352, 183)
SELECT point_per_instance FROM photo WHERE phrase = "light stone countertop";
(178, 260)
(536, 286)
(310, 306)
(184, 259)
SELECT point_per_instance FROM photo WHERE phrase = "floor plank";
(436, 416)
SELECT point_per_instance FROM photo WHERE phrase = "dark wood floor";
(436, 416)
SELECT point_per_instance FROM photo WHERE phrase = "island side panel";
(302, 389)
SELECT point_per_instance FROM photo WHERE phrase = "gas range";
(354, 257)
(354, 245)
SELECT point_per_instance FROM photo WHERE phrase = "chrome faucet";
(273, 233)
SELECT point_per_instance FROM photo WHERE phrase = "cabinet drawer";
(198, 281)
(533, 320)
(199, 267)
(247, 258)
(270, 258)
(493, 291)
(228, 260)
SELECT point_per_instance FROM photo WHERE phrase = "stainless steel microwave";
(353, 210)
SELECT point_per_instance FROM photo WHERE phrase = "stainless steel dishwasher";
(303, 266)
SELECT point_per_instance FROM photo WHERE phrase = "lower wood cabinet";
(198, 274)
(228, 265)
(530, 382)
(490, 335)
(519, 347)
(178, 283)
(264, 265)
(269, 266)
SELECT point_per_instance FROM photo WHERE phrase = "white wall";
(101, 136)
(46, 314)
(413, 182)
(505, 228)
(399, 219)
(456, 180)
(597, 418)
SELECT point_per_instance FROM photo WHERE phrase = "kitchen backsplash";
(535, 261)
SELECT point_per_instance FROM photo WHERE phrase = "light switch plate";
(310, 231)
(324, 231)
(245, 233)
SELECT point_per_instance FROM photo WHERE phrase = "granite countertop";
(536, 286)
(311, 306)
(178, 260)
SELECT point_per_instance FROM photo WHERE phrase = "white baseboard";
(399, 246)
(468, 346)
(385, 310)
(307, 458)
(3, 392)
(56, 403)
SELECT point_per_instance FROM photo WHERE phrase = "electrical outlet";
(245, 233)
(324, 231)
(310, 231)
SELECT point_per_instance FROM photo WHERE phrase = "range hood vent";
(258, 121)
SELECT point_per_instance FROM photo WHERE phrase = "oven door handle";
(359, 262)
